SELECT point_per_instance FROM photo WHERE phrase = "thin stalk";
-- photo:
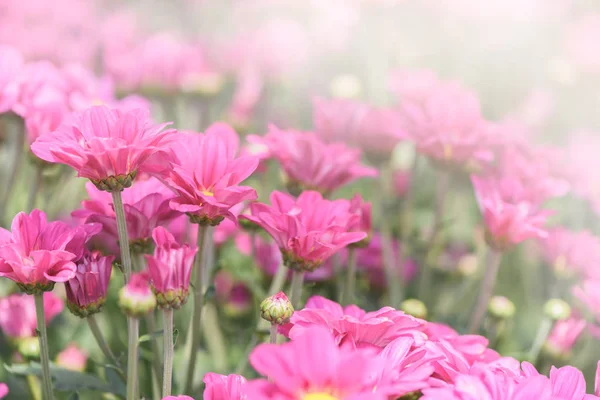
(101, 340)
(150, 320)
(34, 387)
(486, 291)
(296, 290)
(168, 351)
(349, 288)
(123, 236)
(540, 338)
(215, 340)
(14, 166)
(133, 328)
(273, 334)
(198, 302)
(390, 269)
(43, 338)
(278, 280)
(33, 189)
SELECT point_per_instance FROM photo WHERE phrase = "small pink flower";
(72, 358)
(588, 292)
(86, 291)
(312, 164)
(170, 269)
(11, 62)
(39, 253)
(17, 314)
(309, 229)
(222, 387)
(508, 219)
(108, 146)
(207, 174)
(564, 335)
(3, 390)
(234, 295)
(569, 252)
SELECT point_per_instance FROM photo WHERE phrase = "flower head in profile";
(206, 175)
(86, 291)
(309, 229)
(365, 224)
(38, 254)
(17, 314)
(72, 358)
(136, 298)
(588, 293)
(572, 253)
(224, 387)
(11, 62)
(108, 146)
(563, 336)
(310, 163)
(170, 269)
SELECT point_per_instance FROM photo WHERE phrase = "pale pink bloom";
(72, 358)
(310, 163)
(86, 291)
(224, 387)
(309, 229)
(38, 83)
(564, 335)
(363, 209)
(17, 313)
(234, 295)
(11, 63)
(508, 219)
(588, 292)
(3, 390)
(313, 364)
(569, 252)
(103, 142)
(247, 94)
(206, 175)
(46, 116)
(146, 206)
(39, 253)
(355, 327)
(580, 41)
(170, 268)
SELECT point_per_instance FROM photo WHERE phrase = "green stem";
(215, 341)
(168, 351)
(486, 290)
(123, 236)
(198, 303)
(34, 387)
(33, 189)
(540, 338)
(18, 132)
(102, 343)
(43, 338)
(273, 334)
(350, 277)
(133, 328)
(390, 269)
(296, 290)
(278, 280)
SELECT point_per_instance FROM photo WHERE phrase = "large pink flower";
(310, 163)
(11, 62)
(309, 229)
(39, 253)
(17, 314)
(146, 206)
(221, 387)
(313, 366)
(170, 269)
(86, 291)
(108, 146)
(207, 174)
(354, 326)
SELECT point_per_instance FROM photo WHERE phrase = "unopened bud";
(276, 309)
(136, 298)
(557, 309)
(414, 307)
(501, 307)
(29, 347)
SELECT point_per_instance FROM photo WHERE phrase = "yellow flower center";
(208, 193)
(318, 396)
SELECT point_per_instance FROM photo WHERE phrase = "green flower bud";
(276, 309)
(414, 307)
(557, 309)
(501, 307)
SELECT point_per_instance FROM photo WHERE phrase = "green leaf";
(150, 336)
(175, 336)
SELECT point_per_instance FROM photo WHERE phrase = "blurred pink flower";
(564, 335)
(365, 224)
(569, 252)
(3, 390)
(39, 84)
(567, 383)
(247, 94)
(72, 358)
(234, 295)
(17, 313)
(206, 175)
(310, 163)
(224, 387)
(11, 63)
(170, 269)
(401, 181)
(588, 293)
(39, 253)
(86, 291)
(104, 145)
(509, 220)
(355, 327)
(309, 229)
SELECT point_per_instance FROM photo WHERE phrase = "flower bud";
(501, 307)
(414, 307)
(29, 347)
(72, 358)
(136, 298)
(557, 309)
(276, 309)
(86, 292)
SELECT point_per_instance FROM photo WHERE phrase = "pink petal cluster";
(170, 269)
(221, 387)
(310, 163)
(206, 175)
(309, 229)
(36, 254)
(86, 291)
(564, 335)
(17, 314)
(102, 143)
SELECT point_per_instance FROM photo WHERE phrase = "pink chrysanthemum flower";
(572, 253)
(72, 358)
(354, 326)
(3, 390)
(309, 229)
(588, 293)
(563, 336)
(222, 387)
(11, 62)
(146, 207)
(206, 175)
(36, 254)
(17, 314)
(108, 146)
(310, 163)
